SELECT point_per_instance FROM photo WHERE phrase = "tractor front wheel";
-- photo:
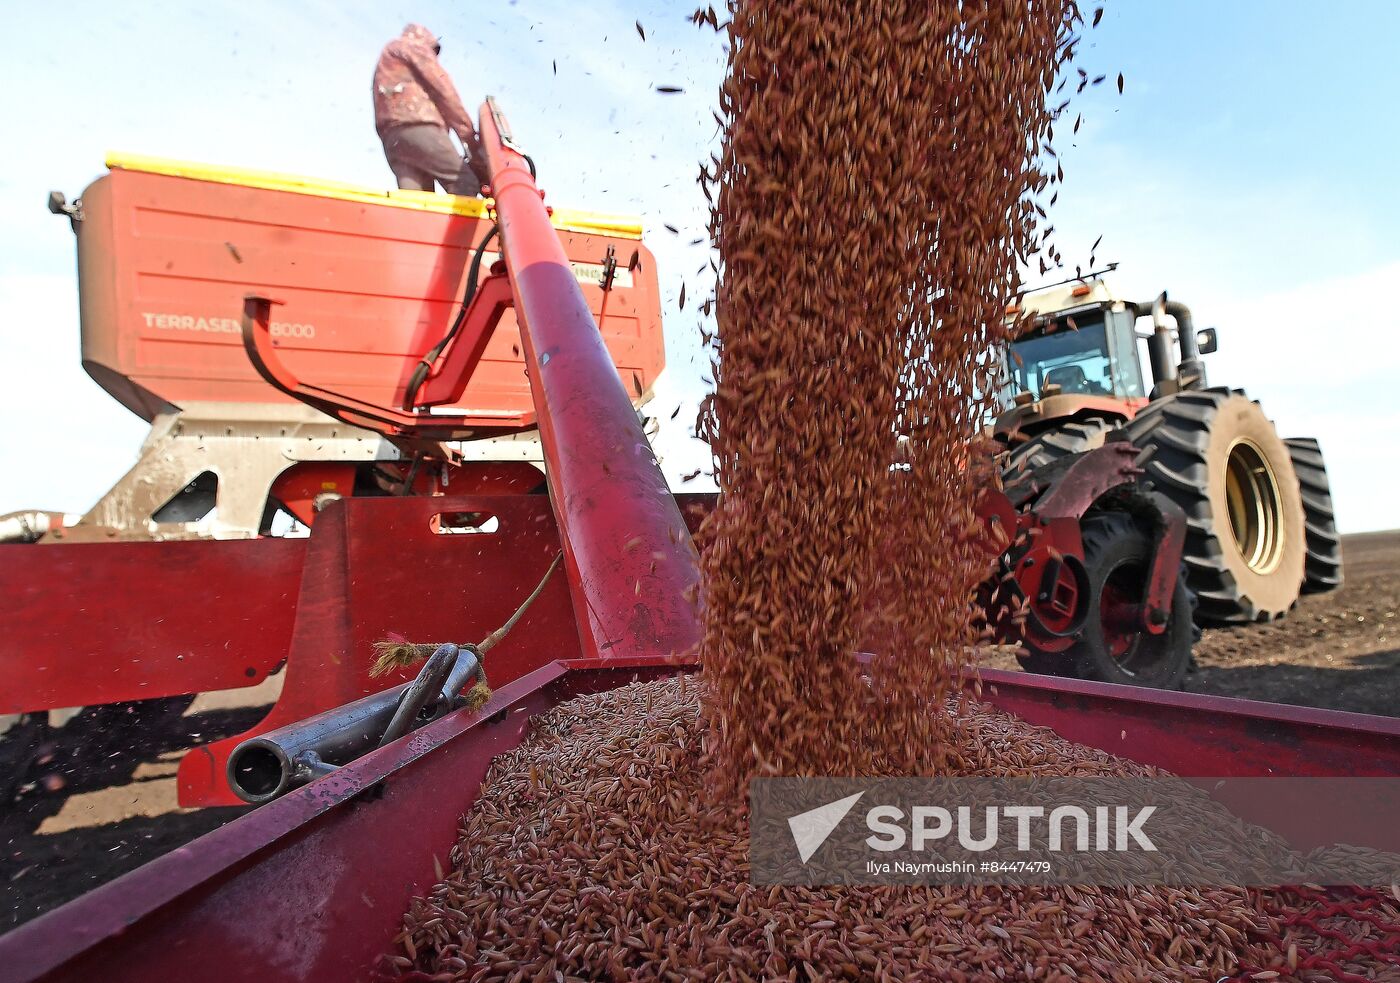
(1114, 648)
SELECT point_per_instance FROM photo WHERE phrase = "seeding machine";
(443, 392)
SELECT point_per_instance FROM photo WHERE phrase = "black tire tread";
(1099, 532)
(1324, 563)
(1052, 446)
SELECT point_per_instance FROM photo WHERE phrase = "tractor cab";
(1076, 356)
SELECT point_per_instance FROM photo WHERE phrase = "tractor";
(1260, 523)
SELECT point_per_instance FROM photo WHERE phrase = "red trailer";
(370, 281)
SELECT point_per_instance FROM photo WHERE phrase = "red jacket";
(411, 87)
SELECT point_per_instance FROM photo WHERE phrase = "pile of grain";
(596, 852)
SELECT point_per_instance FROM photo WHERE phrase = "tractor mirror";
(1206, 340)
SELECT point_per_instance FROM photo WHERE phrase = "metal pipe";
(1185, 329)
(467, 667)
(263, 767)
(631, 565)
(1191, 371)
(1159, 354)
(1159, 342)
(24, 527)
(423, 692)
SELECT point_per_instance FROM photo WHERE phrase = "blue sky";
(1247, 168)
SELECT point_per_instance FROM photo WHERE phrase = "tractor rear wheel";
(1114, 648)
(1323, 571)
(1218, 457)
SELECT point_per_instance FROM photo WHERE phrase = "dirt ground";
(117, 807)
(1340, 650)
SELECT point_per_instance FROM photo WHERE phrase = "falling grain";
(866, 258)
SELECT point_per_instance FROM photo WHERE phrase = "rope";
(393, 654)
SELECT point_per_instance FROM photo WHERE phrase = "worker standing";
(415, 103)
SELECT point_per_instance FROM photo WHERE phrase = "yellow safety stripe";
(566, 219)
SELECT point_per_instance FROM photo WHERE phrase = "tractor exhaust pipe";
(264, 767)
(1190, 373)
(1159, 342)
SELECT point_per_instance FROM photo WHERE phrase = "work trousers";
(422, 154)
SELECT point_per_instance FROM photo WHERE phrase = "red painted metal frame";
(1049, 584)
(163, 619)
(632, 568)
(1164, 573)
(312, 887)
(106, 622)
(1086, 481)
(1054, 519)
(445, 383)
(298, 488)
(447, 378)
(389, 420)
(1192, 734)
(378, 566)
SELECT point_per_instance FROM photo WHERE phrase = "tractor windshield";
(1082, 361)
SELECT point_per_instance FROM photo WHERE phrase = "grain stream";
(873, 199)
